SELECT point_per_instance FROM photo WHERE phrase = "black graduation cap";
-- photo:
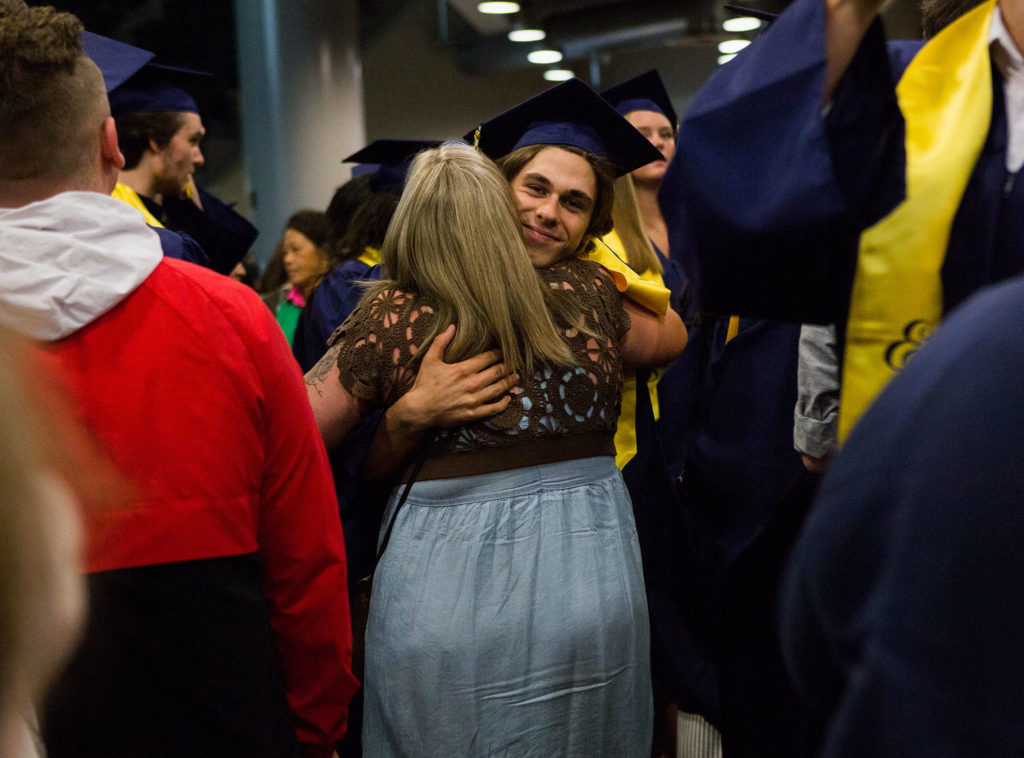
(570, 113)
(645, 92)
(390, 159)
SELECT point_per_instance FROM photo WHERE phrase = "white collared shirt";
(1010, 63)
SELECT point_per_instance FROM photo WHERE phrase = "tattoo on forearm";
(317, 375)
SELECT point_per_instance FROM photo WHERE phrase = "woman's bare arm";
(336, 411)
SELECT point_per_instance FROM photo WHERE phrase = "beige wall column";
(300, 73)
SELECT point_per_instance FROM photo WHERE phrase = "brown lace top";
(380, 339)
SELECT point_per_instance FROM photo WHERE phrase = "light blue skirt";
(508, 618)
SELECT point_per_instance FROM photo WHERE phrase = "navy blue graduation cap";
(570, 113)
(389, 161)
(151, 91)
(134, 83)
(645, 92)
(117, 61)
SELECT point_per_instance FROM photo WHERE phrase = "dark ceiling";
(581, 29)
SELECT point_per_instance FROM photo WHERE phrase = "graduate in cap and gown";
(857, 200)
(159, 131)
(117, 62)
(876, 192)
(644, 102)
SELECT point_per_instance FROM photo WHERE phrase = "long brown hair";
(456, 238)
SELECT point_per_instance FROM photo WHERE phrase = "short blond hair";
(456, 238)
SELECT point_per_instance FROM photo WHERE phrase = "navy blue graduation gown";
(222, 233)
(331, 303)
(903, 613)
(783, 189)
(745, 492)
(182, 247)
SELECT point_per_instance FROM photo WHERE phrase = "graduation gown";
(220, 231)
(902, 609)
(329, 305)
(782, 205)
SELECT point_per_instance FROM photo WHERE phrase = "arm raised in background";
(443, 395)
(651, 340)
(772, 189)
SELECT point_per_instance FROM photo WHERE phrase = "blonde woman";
(508, 614)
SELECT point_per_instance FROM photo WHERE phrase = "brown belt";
(534, 452)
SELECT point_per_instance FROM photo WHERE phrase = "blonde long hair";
(456, 238)
(628, 225)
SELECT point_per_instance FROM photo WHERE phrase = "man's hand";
(445, 395)
(453, 394)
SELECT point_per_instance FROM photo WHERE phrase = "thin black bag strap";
(421, 458)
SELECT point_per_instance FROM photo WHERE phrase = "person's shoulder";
(205, 278)
(581, 269)
(191, 288)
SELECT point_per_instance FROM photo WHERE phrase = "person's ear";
(108, 144)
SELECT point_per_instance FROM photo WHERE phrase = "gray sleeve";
(816, 416)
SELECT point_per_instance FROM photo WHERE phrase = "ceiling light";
(498, 7)
(732, 46)
(544, 57)
(526, 35)
(725, 58)
(741, 24)
(558, 74)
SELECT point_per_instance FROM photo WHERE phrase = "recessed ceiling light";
(498, 7)
(725, 58)
(732, 46)
(526, 35)
(544, 57)
(558, 74)
(741, 24)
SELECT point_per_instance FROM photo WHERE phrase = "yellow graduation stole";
(126, 194)
(649, 290)
(370, 256)
(945, 96)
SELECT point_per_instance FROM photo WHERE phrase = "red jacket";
(190, 385)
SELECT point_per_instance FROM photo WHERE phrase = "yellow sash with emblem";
(648, 289)
(946, 99)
